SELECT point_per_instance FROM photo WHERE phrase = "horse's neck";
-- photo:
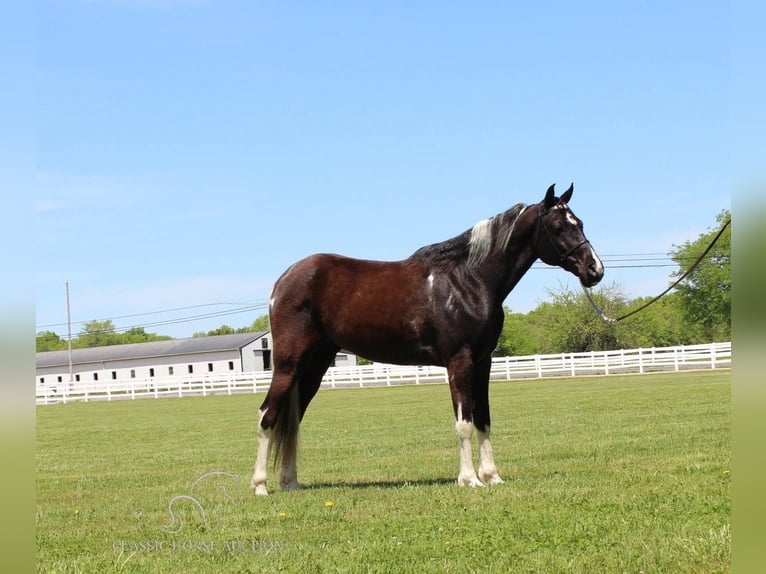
(504, 270)
(517, 262)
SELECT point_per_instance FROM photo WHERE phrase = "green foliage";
(574, 326)
(606, 474)
(222, 330)
(706, 292)
(662, 324)
(95, 334)
(516, 338)
(49, 341)
(261, 324)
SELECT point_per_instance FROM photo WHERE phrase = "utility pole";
(69, 332)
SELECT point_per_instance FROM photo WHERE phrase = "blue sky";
(187, 151)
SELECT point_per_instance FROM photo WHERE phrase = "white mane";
(498, 228)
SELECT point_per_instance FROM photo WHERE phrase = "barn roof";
(171, 347)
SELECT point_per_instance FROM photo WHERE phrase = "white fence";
(690, 357)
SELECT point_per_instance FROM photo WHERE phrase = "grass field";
(618, 474)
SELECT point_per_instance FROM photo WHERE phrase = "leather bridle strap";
(566, 253)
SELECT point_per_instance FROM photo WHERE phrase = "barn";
(236, 353)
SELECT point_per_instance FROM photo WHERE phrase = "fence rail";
(690, 357)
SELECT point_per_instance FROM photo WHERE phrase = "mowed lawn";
(616, 474)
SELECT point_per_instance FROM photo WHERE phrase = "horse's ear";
(550, 197)
(567, 195)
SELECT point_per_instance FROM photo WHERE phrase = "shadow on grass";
(379, 484)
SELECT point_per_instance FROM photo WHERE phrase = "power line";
(146, 313)
(179, 320)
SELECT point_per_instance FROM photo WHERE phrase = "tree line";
(697, 311)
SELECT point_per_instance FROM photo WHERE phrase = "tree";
(570, 324)
(705, 294)
(96, 334)
(222, 330)
(261, 324)
(49, 341)
(516, 338)
(139, 335)
(661, 324)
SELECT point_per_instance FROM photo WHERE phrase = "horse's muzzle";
(593, 274)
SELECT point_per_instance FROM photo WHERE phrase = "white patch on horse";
(464, 430)
(487, 469)
(480, 241)
(571, 218)
(258, 482)
(599, 264)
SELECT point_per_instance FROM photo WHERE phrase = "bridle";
(541, 223)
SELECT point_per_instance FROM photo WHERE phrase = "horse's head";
(560, 239)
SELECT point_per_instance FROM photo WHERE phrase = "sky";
(188, 151)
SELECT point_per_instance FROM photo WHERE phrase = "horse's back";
(357, 304)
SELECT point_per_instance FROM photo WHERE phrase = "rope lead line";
(657, 298)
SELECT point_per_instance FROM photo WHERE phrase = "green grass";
(618, 474)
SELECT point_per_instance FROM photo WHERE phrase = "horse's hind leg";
(309, 380)
(293, 385)
(281, 384)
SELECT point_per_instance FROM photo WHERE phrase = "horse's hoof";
(260, 490)
(291, 485)
(471, 481)
(491, 477)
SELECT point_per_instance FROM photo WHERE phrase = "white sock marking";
(258, 482)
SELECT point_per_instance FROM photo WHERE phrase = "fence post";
(640, 361)
(712, 356)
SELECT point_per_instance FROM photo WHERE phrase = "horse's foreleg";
(464, 428)
(460, 374)
(487, 469)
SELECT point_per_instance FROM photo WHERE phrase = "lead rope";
(657, 298)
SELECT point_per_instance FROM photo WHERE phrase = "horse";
(441, 306)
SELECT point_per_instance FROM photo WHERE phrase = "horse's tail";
(284, 434)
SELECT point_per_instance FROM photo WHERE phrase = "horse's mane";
(474, 245)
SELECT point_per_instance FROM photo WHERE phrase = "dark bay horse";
(441, 306)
